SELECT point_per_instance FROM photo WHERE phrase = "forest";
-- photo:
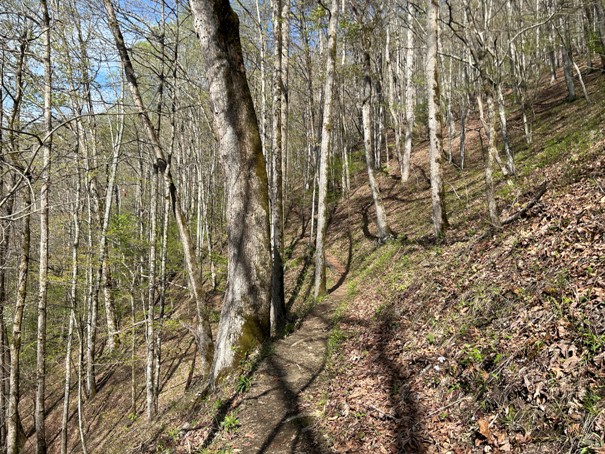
(297, 226)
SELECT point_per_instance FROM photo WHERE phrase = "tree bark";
(245, 315)
(204, 334)
(435, 122)
(326, 137)
(489, 156)
(278, 306)
(383, 230)
(409, 98)
(44, 215)
(73, 297)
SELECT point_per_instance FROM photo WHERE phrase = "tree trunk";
(245, 315)
(393, 108)
(600, 10)
(150, 409)
(409, 98)
(490, 131)
(73, 297)
(278, 306)
(435, 122)
(44, 214)
(204, 334)
(510, 158)
(14, 438)
(326, 137)
(383, 230)
(567, 71)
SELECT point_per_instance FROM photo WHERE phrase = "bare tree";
(435, 121)
(245, 315)
(326, 137)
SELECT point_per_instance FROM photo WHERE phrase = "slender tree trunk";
(600, 13)
(581, 80)
(393, 108)
(409, 98)
(5, 226)
(463, 112)
(245, 316)
(73, 298)
(383, 230)
(203, 334)
(104, 276)
(81, 372)
(15, 437)
(490, 130)
(285, 105)
(150, 309)
(44, 214)
(278, 307)
(435, 122)
(326, 137)
(510, 158)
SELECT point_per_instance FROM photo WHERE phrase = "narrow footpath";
(272, 418)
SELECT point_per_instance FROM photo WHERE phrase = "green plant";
(243, 384)
(472, 355)
(230, 423)
(217, 404)
(173, 433)
(336, 338)
(590, 402)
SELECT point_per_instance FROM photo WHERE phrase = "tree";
(326, 138)
(278, 305)
(245, 315)
(163, 164)
(435, 121)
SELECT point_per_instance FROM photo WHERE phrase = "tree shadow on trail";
(294, 428)
(406, 427)
(345, 273)
(304, 437)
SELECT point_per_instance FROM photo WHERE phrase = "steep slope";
(487, 342)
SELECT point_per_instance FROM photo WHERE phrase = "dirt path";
(272, 419)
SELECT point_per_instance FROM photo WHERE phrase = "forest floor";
(488, 341)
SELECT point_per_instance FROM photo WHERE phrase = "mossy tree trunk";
(245, 315)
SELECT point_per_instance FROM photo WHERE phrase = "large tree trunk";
(245, 316)
(326, 137)
(435, 122)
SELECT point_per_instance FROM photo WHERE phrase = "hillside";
(485, 342)
(488, 341)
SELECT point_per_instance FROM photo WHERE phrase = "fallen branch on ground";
(539, 193)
